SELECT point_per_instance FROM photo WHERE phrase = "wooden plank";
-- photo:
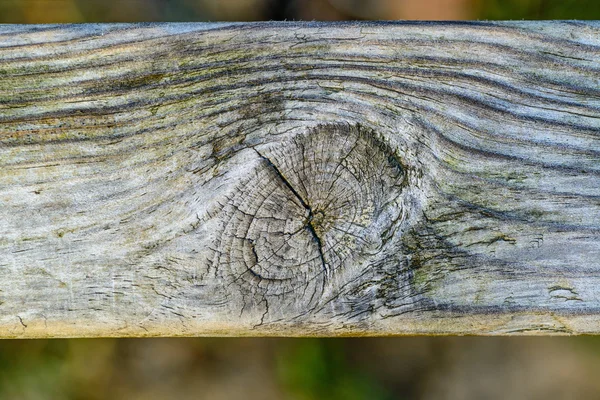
(299, 179)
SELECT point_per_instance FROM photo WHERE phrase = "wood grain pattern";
(299, 179)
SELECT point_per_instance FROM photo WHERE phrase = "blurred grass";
(373, 369)
(319, 369)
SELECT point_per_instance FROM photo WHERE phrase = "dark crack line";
(309, 226)
(262, 318)
(253, 249)
(312, 230)
(285, 181)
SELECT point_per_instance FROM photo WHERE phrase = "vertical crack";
(317, 239)
(309, 224)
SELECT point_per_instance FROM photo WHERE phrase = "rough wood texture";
(300, 179)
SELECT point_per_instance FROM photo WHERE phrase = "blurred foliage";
(318, 369)
(427, 368)
(32, 370)
(73, 11)
(48, 11)
(53, 369)
(539, 9)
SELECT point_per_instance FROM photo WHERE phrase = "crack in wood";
(316, 198)
(309, 224)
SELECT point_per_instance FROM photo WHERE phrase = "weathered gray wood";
(300, 179)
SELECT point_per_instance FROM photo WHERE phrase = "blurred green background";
(433, 368)
(376, 368)
(47, 11)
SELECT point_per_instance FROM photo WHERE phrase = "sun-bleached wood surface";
(299, 179)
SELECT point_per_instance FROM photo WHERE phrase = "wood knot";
(314, 205)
